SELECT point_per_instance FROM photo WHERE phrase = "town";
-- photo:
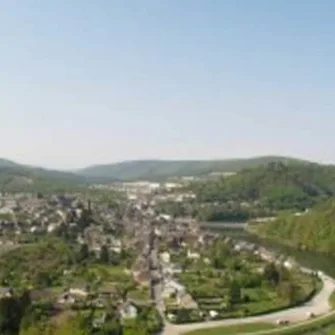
(110, 253)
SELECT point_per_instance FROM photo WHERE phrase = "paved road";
(155, 279)
(318, 305)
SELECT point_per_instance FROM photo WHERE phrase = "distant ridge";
(157, 169)
(15, 176)
(5, 163)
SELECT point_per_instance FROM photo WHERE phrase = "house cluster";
(265, 254)
(31, 214)
(172, 290)
(80, 296)
(28, 214)
(138, 189)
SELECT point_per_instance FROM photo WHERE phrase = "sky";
(88, 82)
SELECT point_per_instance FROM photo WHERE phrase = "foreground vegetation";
(270, 329)
(41, 276)
(235, 329)
(52, 263)
(228, 283)
(19, 316)
(311, 327)
(25, 179)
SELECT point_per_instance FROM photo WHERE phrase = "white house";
(192, 255)
(165, 257)
(171, 317)
(128, 311)
(213, 314)
(172, 287)
(66, 299)
(289, 264)
(78, 292)
(51, 227)
(165, 217)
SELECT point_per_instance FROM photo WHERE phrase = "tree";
(235, 292)
(104, 255)
(289, 292)
(148, 321)
(43, 279)
(284, 274)
(10, 316)
(228, 302)
(84, 253)
(271, 274)
(25, 300)
(220, 253)
(123, 290)
(115, 258)
(85, 219)
(78, 325)
(112, 326)
(134, 328)
(38, 329)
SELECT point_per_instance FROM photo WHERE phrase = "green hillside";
(276, 186)
(20, 178)
(156, 169)
(313, 231)
(5, 163)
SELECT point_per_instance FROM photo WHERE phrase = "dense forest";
(275, 187)
(314, 230)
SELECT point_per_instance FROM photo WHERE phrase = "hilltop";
(276, 186)
(250, 171)
(5, 163)
(17, 177)
(159, 169)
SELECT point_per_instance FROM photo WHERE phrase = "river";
(312, 260)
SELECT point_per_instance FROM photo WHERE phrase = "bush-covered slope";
(7, 163)
(36, 263)
(25, 179)
(277, 186)
(314, 230)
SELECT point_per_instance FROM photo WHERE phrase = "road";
(155, 276)
(318, 305)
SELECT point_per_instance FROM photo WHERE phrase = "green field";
(235, 329)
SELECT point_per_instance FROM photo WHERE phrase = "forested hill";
(313, 231)
(20, 178)
(5, 163)
(277, 186)
(156, 169)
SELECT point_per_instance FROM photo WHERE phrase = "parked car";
(282, 322)
(310, 315)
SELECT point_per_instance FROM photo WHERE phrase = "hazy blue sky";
(85, 82)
